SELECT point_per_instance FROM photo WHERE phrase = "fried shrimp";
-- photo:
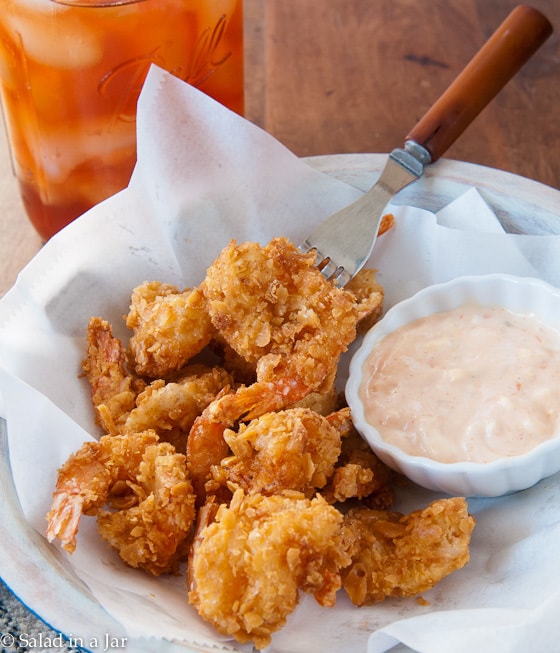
(323, 403)
(358, 473)
(403, 555)
(169, 328)
(255, 507)
(170, 408)
(276, 310)
(295, 449)
(125, 404)
(369, 295)
(248, 566)
(144, 485)
(242, 371)
(113, 387)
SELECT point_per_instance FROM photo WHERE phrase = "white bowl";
(489, 479)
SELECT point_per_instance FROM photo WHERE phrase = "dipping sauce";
(471, 384)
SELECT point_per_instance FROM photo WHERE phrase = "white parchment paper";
(204, 176)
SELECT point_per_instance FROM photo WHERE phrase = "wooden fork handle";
(512, 44)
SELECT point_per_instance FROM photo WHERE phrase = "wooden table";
(339, 76)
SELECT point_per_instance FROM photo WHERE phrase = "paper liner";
(205, 176)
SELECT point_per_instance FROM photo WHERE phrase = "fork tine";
(328, 268)
(349, 235)
(343, 242)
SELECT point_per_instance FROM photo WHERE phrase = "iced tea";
(70, 78)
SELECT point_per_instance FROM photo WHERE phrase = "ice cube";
(58, 36)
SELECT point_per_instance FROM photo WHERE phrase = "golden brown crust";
(249, 565)
(113, 387)
(369, 295)
(295, 449)
(271, 450)
(169, 328)
(277, 311)
(140, 492)
(403, 555)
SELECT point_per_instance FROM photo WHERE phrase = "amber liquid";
(70, 79)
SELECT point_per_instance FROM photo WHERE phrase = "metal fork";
(344, 241)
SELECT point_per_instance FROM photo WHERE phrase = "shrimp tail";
(64, 517)
(206, 447)
(253, 401)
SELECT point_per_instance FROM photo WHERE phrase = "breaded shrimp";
(367, 291)
(242, 371)
(369, 298)
(248, 566)
(170, 408)
(276, 310)
(358, 473)
(403, 555)
(113, 387)
(206, 448)
(144, 484)
(324, 403)
(294, 449)
(169, 328)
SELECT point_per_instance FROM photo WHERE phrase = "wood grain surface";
(343, 76)
(338, 76)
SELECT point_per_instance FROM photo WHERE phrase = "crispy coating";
(206, 448)
(169, 328)
(359, 473)
(369, 296)
(269, 449)
(144, 485)
(323, 403)
(294, 449)
(125, 404)
(277, 311)
(113, 387)
(248, 566)
(244, 372)
(387, 223)
(170, 408)
(403, 555)
(368, 293)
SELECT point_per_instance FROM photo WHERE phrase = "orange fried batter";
(358, 473)
(248, 566)
(387, 223)
(171, 408)
(113, 388)
(170, 327)
(269, 450)
(242, 371)
(403, 555)
(323, 403)
(295, 449)
(276, 310)
(125, 404)
(369, 298)
(144, 484)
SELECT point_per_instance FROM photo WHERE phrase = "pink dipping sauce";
(471, 384)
